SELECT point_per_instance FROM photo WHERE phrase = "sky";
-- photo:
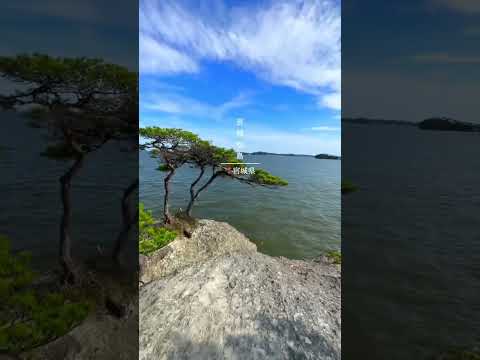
(274, 64)
(71, 28)
(411, 59)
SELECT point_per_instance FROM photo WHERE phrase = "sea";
(410, 242)
(30, 204)
(298, 221)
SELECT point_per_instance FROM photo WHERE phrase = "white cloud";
(332, 101)
(325, 128)
(289, 43)
(257, 137)
(156, 57)
(179, 104)
(267, 139)
(288, 142)
(164, 105)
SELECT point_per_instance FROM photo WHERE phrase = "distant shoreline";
(319, 156)
(435, 123)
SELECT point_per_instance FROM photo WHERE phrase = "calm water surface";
(30, 206)
(301, 220)
(411, 235)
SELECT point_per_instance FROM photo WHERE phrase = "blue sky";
(275, 64)
(413, 58)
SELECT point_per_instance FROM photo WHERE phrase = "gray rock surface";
(213, 296)
(209, 239)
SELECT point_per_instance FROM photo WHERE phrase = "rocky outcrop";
(213, 296)
(209, 239)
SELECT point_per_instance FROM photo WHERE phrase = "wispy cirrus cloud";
(160, 58)
(288, 43)
(300, 143)
(176, 104)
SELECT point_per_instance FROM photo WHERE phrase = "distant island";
(269, 153)
(446, 124)
(434, 123)
(327, 157)
(319, 156)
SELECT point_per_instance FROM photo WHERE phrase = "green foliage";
(177, 147)
(348, 187)
(83, 73)
(163, 167)
(86, 101)
(173, 146)
(169, 136)
(265, 178)
(201, 153)
(335, 256)
(223, 155)
(145, 218)
(151, 236)
(28, 317)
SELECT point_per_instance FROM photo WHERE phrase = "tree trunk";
(166, 212)
(213, 177)
(127, 221)
(192, 192)
(65, 254)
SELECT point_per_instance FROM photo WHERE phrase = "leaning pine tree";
(176, 147)
(83, 103)
(220, 163)
(172, 147)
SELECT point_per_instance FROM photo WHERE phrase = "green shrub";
(151, 236)
(163, 167)
(30, 318)
(335, 256)
(263, 177)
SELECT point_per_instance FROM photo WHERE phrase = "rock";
(213, 296)
(100, 336)
(209, 239)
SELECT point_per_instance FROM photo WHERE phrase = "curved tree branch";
(192, 191)
(127, 220)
